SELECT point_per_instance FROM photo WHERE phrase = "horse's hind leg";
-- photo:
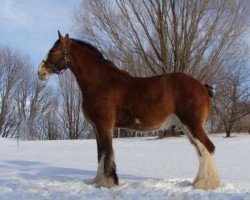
(106, 173)
(207, 176)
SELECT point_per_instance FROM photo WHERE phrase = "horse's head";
(56, 61)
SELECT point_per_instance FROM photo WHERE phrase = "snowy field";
(148, 169)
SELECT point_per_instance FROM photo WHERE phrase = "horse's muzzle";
(43, 72)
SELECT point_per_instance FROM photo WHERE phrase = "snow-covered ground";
(148, 169)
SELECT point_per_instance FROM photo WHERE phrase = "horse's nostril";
(42, 76)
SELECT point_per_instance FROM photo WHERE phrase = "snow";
(148, 169)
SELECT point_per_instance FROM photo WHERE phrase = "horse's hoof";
(206, 185)
(107, 182)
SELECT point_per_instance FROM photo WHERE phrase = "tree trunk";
(228, 133)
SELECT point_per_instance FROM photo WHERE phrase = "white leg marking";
(100, 169)
(207, 176)
(101, 180)
(137, 121)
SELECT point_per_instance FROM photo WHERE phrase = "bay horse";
(113, 98)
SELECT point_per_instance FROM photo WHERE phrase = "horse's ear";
(59, 35)
(66, 36)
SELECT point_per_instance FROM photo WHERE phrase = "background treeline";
(202, 38)
(31, 109)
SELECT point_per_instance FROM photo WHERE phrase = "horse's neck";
(88, 69)
(84, 72)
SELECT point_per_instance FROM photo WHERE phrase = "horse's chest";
(98, 107)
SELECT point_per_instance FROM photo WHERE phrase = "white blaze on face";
(43, 72)
(42, 63)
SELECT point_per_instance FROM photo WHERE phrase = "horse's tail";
(210, 90)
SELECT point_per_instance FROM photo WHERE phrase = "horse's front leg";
(106, 172)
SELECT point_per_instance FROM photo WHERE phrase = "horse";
(114, 98)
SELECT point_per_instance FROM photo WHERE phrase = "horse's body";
(113, 98)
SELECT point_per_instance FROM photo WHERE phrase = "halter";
(52, 66)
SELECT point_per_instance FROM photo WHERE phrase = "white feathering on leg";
(207, 177)
(101, 180)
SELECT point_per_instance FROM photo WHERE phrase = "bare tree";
(25, 102)
(158, 36)
(41, 104)
(243, 125)
(11, 64)
(34, 103)
(49, 128)
(232, 100)
(199, 37)
(30, 109)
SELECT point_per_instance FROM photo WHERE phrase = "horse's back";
(175, 86)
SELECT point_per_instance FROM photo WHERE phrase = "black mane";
(90, 46)
(85, 44)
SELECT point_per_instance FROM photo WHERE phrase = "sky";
(30, 26)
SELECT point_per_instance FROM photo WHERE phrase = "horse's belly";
(151, 123)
